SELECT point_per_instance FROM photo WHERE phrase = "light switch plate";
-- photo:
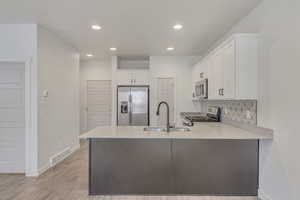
(45, 93)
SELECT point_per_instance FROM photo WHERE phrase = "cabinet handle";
(222, 91)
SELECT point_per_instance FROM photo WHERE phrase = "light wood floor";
(69, 181)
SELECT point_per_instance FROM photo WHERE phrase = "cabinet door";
(124, 77)
(217, 60)
(196, 73)
(210, 76)
(215, 167)
(228, 90)
(140, 77)
(204, 69)
(133, 77)
(126, 166)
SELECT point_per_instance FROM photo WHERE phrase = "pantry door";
(12, 117)
(99, 103)
(166, 92)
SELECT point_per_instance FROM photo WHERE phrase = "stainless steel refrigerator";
(133, 106)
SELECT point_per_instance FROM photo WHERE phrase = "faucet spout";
(168, 113)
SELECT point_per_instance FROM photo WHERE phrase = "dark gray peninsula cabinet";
(173, 166)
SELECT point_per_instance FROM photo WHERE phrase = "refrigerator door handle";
(130, 108)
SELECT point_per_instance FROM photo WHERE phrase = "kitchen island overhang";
(167, 164)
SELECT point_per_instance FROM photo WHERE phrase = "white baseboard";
(43, 169)
(263, 196)
(47, 166)
(32, 174)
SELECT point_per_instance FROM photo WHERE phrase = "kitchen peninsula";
(210, 159)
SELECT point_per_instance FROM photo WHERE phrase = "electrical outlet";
(248, 114)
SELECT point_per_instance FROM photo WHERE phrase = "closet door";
(12, 118)
(99, 103)
(166, 92)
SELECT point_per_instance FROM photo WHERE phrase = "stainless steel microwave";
(201, 89)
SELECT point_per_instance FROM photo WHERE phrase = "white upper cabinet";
(223, 77)
(228, 90)
(133, 77)
(233, 68)
(132, 70)
(217, 78)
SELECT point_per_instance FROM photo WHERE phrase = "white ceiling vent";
(133, 62)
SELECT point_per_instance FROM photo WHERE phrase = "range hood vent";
(133, 62)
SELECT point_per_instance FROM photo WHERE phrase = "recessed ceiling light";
(177, 26)
(96, 27)
(170, 48)
(113, 49)
(89, 55)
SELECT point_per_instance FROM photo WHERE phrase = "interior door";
(12, 118)
(166, 92)
(99, 101)
(139, 106)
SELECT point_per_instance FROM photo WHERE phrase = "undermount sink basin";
(163, 129)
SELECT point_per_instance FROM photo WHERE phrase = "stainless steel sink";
(162, 129)
(180, 129)
(155, 129)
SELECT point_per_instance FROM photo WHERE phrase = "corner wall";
(276, 21)
(19, 43)
(91, 70)
(180, 68)
(58, 114)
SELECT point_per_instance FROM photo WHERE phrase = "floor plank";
(69, 181)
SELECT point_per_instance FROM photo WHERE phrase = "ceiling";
(135, 27)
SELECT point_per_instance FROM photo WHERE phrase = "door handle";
(130, 98)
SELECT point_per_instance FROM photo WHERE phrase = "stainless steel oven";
(201, 89)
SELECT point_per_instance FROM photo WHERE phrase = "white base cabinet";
(231, 68)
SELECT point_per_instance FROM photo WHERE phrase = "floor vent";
(60, 156)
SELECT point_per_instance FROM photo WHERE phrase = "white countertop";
(199, 131)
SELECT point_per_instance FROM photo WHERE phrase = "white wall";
(279, 97)
(91, 70)
(180, 68)
(18, 43)
(58, 116)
